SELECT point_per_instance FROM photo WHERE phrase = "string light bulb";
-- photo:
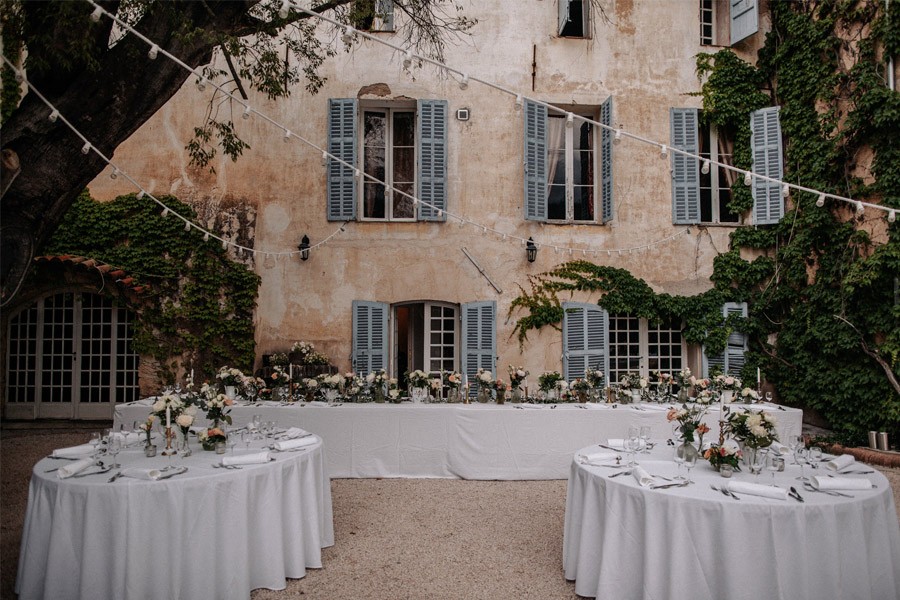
(205, 236)
(324, 158)
(246, 113)
(464, 82)
(141, 194)
(748, 179)
(114, 174)
(285, 9)
(347, 36)
(860, 209)
(224, 245)
(821, 201)
(618, 136)
(892, 216)
(153, 52)
(187, 225)
(201, 83)
(54, 115)
(519, 102)
(786, 190)
(705, 168)
(86, 148)
(95, 16)
(287, 135)
(570, 120)
(165, 212)
(407, 59)
(20, 76)
(663, 151)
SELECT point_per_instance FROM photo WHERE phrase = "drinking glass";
(114, 446)
(690, 459)
(774, 463)
(255, 422)
(634, 442)
(801, 455)
(270, 428)
(757, 463)
(247, 437)
(769, 397)
(645, 437)
(678, 457)
(231, 436)
(95, 442)
(814, 457)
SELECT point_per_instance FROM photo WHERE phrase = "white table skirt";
(209, 533)
(468, 441)
(626, 542)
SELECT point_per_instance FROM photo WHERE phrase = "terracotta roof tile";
(111, 274)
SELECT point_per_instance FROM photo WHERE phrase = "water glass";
(114, 446)
(645, 437)
(95, 442)
(801, 455)
(814, 457)
(231, 435)
(678, 457)
(690, 459)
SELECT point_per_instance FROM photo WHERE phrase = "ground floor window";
(638, 346)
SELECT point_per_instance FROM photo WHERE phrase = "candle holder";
(169, 449)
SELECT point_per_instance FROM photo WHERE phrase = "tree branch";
(891, 377)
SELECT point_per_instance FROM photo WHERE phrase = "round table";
(207, 533)
(625, 541)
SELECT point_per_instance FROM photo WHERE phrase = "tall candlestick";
(168, 417)
(757, 378)
(192, 375)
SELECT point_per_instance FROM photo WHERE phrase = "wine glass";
(774, 463)
(678, 457)
(95, 442)
(690, 459)
(814, 457)
(247, 437)
(645, 437)
(114, 446)
(633, 441)
(231, 435)
(255, 422)
(801, 455)
(757, 462)
(769, 397)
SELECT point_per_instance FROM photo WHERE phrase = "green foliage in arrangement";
(200, 299)
(824, 319)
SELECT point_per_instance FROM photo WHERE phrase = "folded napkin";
(293, 433)
(619, 444)
(779, 448)
(138, 473)
(601, 457)
(318, 403)
(595, 405)
(74, 467)
(656, 407)
(271, 403)
(246, 459)
(643, 478)
(841, 462)
(128, 437)
(529, 405)
(823, 482)
(757, 489)
(295, 443)
(73, 451)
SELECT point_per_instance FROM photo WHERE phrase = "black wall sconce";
(304, 248)
(530, 250)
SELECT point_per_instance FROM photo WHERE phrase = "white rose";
(520, 373)
(394, 393)
(758, 430)
(731, 446)
(184, 420)
(370, 377)
(643, 382)
(159, 405)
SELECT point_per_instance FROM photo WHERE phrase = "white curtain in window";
(556, 130)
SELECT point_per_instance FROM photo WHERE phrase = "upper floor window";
(716, 146)
(373, 15)
(562, 160)
(727, 22)
(574, 21)
(393, 152)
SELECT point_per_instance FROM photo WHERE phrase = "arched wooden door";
(70, 356)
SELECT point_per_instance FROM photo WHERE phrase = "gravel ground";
(394, 538)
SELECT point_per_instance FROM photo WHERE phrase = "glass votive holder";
(779, 462)
(220, 447)
(726, 470)
(150, 450)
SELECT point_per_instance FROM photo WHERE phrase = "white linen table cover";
(628, 542)
(208, 533)
(467, 441)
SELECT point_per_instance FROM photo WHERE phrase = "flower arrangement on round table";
(417, 378)
(754, 429)
(728, 453)
(393, 389)
(485, 381)
(689, 419)
(547, 380)
(500, 389)
(210, 437)
(749, 395)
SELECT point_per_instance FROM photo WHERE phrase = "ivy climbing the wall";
(200, 309)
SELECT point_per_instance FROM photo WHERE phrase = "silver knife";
(172, 473)
(114, 477)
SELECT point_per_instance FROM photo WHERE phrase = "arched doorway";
(70, 356)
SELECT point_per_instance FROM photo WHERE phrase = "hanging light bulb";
(618, 137)
(357, 173)
(324, 158)
(285, 9)
(821, 201)
(464, 82)
(705, 168)
(154, 50)
(440, 213)
(187, 225)
(165, 212)
(860, 209)
(114, 174)
(748, 179)
(287, 135)
(20, 76)
(247, 111)
(663, 151)
(95, 16)
(86, 148)
(205, 236)
(570, 120)
(407, 59)
(786, 190)
(54, 115)
(224, 245)
(519, 102)
(892, 216)
(141, 194)
(347, 36)
(201, 83)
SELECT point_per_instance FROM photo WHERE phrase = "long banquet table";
(468, 441)
(628, 542)
(208, 533)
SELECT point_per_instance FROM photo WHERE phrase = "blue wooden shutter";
(731, 360)
(606, 167)
(584, 339)
(535, 161)
(479, 339)
(744, 16)
(384, 13)
(685, 170)
(431, 184)
(370, 327)
(341, 188)
(765, 144)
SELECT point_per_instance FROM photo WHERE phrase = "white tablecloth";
(209, 533)
(468, 441)
(627, 542)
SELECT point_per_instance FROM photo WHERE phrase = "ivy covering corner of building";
(200, 298)
(824, 319)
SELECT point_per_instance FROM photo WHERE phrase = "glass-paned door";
(70, 356)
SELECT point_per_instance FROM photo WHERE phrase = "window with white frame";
(727, 22)
(386, 153)
(568, 164)
(574, 18)
(638, 346)
(716, 146)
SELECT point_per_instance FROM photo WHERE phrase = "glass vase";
(517, 395)
(484, 394)
(453, 395)
(185, 447)
(501, 396)
(418, 395)
(686, 450)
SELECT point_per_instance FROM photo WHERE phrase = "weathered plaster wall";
(643, 57)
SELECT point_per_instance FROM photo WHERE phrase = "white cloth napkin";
(779, 447)
(128, 437)
(841, 462)
(643, 478)
(656, 407)
(757, 489)
(295, 443)
(138, 473)
(271, 403)
(619, 443)
(246, 459)
(823, 482)
(74, 467)
(529, 405)
(293, 433)
(601, 457)
(595, 406)
(73, 451)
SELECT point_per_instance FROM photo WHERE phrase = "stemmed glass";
(255, 422)
(645, 438)
(633, 443)
(757, 463)
(814, 457)
(690, 459)
(247, 437)
(801, 455)
(773, 464)
(795, 441)
(96, 438)
(678, 457)
(114, 446)
(231, 435)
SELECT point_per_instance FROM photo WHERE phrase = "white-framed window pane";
(624, 346)
(583, 173)
(389, 156)
(715, 185)
(22, 356)
(707, 22)
(664, 347)
(442, 333)
(571, 157)
(374, 159)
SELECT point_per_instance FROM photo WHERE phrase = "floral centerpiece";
(147, 428)
(305, 353)
(594, 377)
(485, 382)
(393, 390)
(688, 421)
(500, 387)
(309, 386)
(252, 385)
(279, 359)
(728, 453)
(217, 406)
(452, 380)
(547, 381)
(353, 385)
(581, 387)
(749, 395)
(210, 437)
(377, 380)
(230, 377)
(632, 386)
(436, 383)
(330, 385)
(417, 378)
(517, 376)
(754, 429)
(700, 385)
(726, 385)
